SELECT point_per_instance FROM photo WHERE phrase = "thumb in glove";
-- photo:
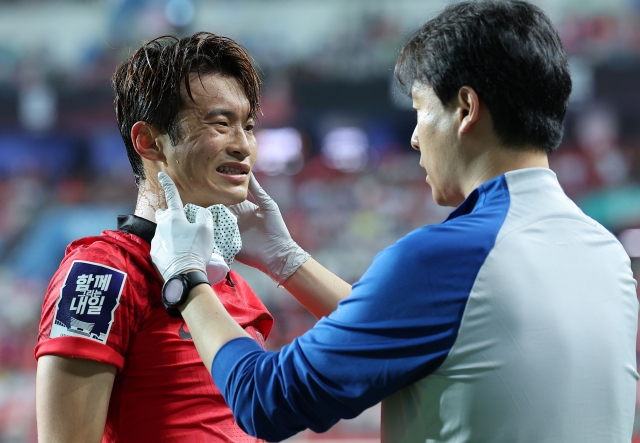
(179, 246)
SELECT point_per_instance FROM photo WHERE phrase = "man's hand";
(266, 242)
(179, 246)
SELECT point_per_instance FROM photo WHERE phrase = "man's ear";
(468, 104)
(144, 137)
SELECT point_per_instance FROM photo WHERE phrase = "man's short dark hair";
(148, 84)
(506, 50)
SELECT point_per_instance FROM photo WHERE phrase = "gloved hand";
(266, 242)
(178, 245)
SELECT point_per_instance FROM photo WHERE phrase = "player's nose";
(241, 143)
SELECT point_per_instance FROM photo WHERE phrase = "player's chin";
(239, 198)
(220, 195)
(233, 196)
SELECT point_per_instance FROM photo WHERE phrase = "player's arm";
(268, 246)
(72, 399)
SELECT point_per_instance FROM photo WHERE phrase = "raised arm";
(72, 399)
(268, 246)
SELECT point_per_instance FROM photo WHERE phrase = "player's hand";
(179, 246)
(266, 242)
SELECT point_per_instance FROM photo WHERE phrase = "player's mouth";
(234, 172)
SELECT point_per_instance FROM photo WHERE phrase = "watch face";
(173, 290)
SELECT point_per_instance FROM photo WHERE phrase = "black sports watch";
(175, 291)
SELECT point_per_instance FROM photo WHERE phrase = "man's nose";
(414, 139)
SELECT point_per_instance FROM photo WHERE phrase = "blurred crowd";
(341, 168)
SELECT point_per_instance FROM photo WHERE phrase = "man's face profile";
(435, 137)
(216, 148)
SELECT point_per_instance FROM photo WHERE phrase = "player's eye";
(249, 128)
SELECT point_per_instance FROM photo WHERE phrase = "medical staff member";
(514, 320)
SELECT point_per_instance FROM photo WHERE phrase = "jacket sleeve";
(396, 327)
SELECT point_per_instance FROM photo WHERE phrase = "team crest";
(89, 296)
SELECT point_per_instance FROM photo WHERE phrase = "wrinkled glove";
(226, 237)
(179, 246)
(266, 242)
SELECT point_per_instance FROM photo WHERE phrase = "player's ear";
(145, 140)
(467, 108)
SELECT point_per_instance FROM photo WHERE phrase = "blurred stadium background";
(333, 140)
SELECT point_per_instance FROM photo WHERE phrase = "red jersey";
(104, 304)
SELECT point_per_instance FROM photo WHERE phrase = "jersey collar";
(138, 226)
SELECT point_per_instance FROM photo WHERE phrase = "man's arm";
(397, 326)
(213, 325)
(394, 329)
(268, 246)
(72, 399)
(316, 288)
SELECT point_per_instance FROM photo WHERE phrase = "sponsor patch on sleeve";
(88, 299)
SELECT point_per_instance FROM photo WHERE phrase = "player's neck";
(150, 198)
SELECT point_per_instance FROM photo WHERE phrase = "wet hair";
(506, 50)
(148, 85)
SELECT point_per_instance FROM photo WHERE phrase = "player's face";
(435, 136)
(216, 150)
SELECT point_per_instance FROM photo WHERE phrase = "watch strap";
(194, 278)
(190, 280)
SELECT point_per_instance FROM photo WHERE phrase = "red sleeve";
(87, 310)
(77, 347)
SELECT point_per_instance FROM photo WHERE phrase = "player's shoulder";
(100, 279)
(94, 258)
(99, 247)
(110, 255)
(84, 299)
(110, 248)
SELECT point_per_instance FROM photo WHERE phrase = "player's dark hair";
(148, 84)
(509, 53)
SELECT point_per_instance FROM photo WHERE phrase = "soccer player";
(512, 321)
(112, 365)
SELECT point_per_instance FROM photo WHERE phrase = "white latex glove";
(266, 242)
(178, 245)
